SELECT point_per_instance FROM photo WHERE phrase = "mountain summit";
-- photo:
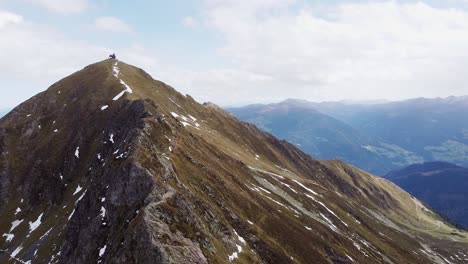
(110, 166)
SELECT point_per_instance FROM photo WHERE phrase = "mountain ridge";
(441, 185)
(111, 166)
(321, 135)
(391, 134)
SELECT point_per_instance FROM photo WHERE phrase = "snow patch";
(193, 118)
(77, 152)
(266, 172)
(303, 186)
(78, 189)
(15, 224)
(289, 186)
(128, 89)
(330, 223)
(235, 255)
(117, 97)
(241, 239)
(34, 225)
(116, 70)
(103, 212)
(102, 251)
(70, 216)
(81, 197)
(16, 251)
(9, 237)
(104, 107)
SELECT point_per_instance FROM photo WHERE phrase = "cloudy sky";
(235, 52)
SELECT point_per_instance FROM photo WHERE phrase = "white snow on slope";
(330, 223)
(235, 255)
(103, 212)
(128, 89)
(34, 225)
(81, 197)
(15, 224)
(117, 97)
(104, 107)
(303, 186)
(70, 216)
(9, 237)
(266, 172)
(241, 239)
(78, 189)
(289, 186)
(102, 251)
(77, 152)
(116, 70)
(16, 251)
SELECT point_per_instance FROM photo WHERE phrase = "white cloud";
(9, 18)
(35, 56)
(273, 50)
(112, 24)
(190, 22)
(347, 51)
(62, 6)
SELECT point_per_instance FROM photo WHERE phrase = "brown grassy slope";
(189, 178)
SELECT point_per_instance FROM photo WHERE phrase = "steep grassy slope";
(111, 166)
(443, 186)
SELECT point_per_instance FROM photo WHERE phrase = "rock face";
(111, 166)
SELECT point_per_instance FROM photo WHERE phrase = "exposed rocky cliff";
(111, 166)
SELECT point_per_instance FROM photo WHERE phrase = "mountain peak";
(111, 166)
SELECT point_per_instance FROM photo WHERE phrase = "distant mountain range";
(377, 137)
(443, 186)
